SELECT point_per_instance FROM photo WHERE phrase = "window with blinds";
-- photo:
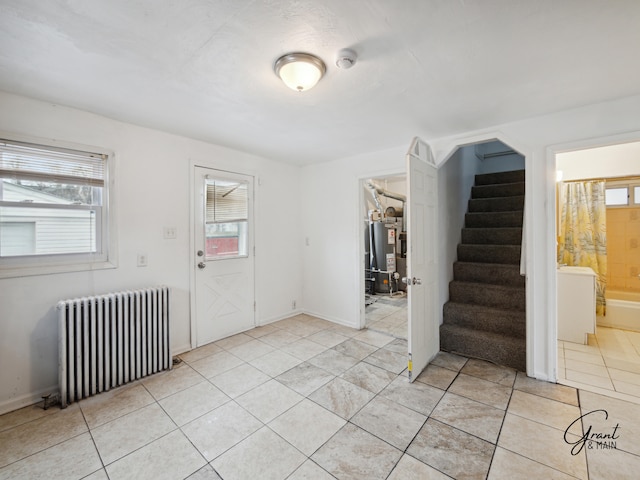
(51, 203)
(226, 222)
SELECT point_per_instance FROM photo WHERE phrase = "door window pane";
(227, 212)
(636, 195)
(617, 196)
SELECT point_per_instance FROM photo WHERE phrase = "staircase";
(485, 316)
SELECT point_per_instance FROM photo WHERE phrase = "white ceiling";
(203, 68)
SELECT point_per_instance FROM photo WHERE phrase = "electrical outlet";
(142, 259)
(170, 233)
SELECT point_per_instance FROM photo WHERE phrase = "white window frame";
(106, 245)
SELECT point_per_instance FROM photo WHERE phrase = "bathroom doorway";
(608, 359)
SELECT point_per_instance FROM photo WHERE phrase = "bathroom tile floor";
(608, 364)
(306, 399)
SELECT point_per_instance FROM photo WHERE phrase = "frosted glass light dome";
(299, 71)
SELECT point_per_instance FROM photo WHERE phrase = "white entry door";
(422, 267)
(224, 262)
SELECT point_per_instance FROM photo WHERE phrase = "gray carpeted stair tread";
(497, 348)
(500, 190)
(507, 322)
(509, 254)
(492, 236)
(512, 176)
(495, 296)
(493, 219)
(496, 204)
(491, 273)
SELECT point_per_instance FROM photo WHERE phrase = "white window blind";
(227, 201)
(23, 161)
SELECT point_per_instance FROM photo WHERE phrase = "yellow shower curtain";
(583, 232)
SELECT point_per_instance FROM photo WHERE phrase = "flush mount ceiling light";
(299, 71)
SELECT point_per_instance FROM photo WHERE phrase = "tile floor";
(387, 314)
(608, 364)
(307, 399)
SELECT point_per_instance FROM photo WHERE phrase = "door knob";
(416, 281)
(201, 265)
(200, 253)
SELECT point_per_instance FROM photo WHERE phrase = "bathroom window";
(617, 196)
(636, 195)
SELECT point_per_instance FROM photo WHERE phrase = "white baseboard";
(25, 400)
(331, 319)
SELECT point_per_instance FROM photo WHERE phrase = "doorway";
(385, 254)
(607, 358)
(223, 264)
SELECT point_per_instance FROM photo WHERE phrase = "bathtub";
(623, 310)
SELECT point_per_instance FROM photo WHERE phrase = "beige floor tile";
(219, 430)
(483, 391)
(130, 432)
(553, 391)
(310, 471)
(275, 363)
(169, 457)
(234, 341)
(449, 360)
(590, 368)
(408, 468)
(623, 376)
(391, 361)
(549, 412)
(327, 338)
(239, 380)
(373, 338)
(605, 464)
(368, 377)
(193, 402)
(110, 405)
(393, 423)
(619, 412)
(628, 388)
(279, 338)
(341, 397)
(37, 435)
(488, 371)
(98, 475)
(172, 381)
(595, 380)
(355, 349)
(251, 350)
(399, 345)
(344, 331)
(437, 376)
(452, 451)
(507, 465)
(216, 364)
(271, 458)
(470, 416)
(416, 396)
(542, 444)
(307, 426)
(73, 459)
(578, 347)
(269, 400)
(304, 329)
(595, 359)
(305, 378)
(303, 349)
(333, 361)
(24, 415)
(262, 331)
(357, 455)
(624, 365)
(205, 473)
(200, 352)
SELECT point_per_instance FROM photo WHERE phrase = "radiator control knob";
(201, 265)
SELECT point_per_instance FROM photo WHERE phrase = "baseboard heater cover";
(109, 340)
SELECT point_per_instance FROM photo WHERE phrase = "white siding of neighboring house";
(43, 230)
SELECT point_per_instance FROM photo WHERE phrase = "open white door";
(422, 267)
(224, 268)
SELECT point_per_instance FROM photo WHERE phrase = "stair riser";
(494, 296)
(507, 275)
(501, 204)
(500, 177)
(492, 191)
(505, 322)
(503, 254)
(505, 351)
(492, 236)
(493, 220)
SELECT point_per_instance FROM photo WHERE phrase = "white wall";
(620, 160)
(152, 191)
(331, 222)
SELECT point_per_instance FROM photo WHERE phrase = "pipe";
(376, 190)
